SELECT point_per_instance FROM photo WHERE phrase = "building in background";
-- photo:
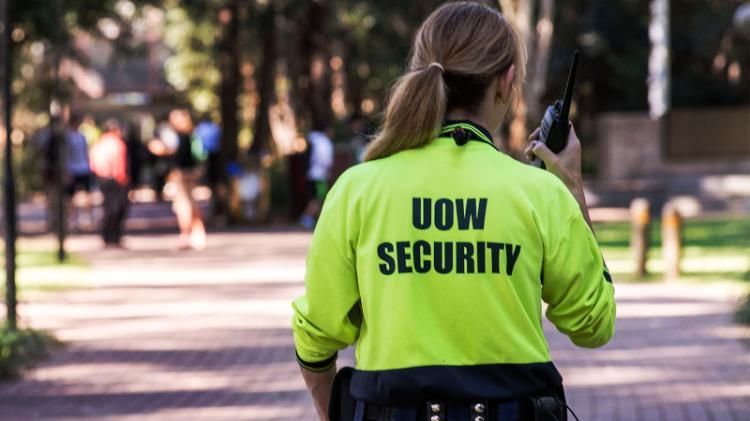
(694, 142)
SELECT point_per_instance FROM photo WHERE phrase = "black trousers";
(115, 208)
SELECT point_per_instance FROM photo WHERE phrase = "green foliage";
(22, 348)
(42, 34)
(379, 36)
(193, 67)
(704, 50)
(40, 20)
(613, 39)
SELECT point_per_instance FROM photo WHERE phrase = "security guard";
(434, 255)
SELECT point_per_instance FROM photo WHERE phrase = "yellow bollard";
(671, 241)
(640, 223)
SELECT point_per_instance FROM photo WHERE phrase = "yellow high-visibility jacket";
(435, 262)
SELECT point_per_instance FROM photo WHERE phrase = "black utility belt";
(538, 408)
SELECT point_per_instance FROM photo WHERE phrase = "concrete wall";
(630, 145)
(708, 133)
(688, 157)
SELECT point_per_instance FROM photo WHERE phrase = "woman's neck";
(458, 114)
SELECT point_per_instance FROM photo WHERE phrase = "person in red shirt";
(109, 162)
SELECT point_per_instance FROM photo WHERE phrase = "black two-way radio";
(555, 127)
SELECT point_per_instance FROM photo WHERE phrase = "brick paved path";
(166, 335)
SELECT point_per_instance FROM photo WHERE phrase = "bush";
(22, 348)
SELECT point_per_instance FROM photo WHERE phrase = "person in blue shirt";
(209, 134)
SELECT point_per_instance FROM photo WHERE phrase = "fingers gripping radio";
(554, 128)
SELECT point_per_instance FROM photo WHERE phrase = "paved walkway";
(162, 335)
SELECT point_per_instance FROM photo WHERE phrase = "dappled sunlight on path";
(676, 356)
(163, 334)
(167, 335)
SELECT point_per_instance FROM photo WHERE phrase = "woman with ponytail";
(435, 254)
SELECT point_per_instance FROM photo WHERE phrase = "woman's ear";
(505, 82)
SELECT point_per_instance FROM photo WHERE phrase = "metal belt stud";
(479, 409)
(436, 410)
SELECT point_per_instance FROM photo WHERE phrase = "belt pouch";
(342, 404)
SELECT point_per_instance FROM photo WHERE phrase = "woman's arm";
(577, 284)
(320, 384)
(326, 318)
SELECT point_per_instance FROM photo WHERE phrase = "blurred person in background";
(321, 160)
(52, 150)
(89, 129)
(136, 152)
(109, 162)
(209, 135)
(78, 173)
(184, 176)
(161, 165)
(46, 156)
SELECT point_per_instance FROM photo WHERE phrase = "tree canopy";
(215, 49)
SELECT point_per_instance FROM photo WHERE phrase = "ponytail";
(459, 43)
(414, 113)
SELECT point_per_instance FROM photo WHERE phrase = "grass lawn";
(713, 250)
(39, 270)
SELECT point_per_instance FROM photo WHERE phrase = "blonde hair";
(457, 52)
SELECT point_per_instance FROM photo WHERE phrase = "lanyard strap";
(463, 132)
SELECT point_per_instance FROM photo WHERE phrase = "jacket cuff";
(317, 366)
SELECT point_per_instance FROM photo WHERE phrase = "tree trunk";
(538, 83)
(313, 75)
(265, 82)
(320, 69)
(228, 92)
(9, 187)
(519, 12)
(538, 39)
(298, 59)
(265, 85)
(353, 92)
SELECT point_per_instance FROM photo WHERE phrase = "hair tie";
(436, 64)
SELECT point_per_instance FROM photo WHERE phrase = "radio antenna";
(569, 88)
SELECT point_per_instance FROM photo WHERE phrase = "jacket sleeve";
(326, 318)
(576, 284)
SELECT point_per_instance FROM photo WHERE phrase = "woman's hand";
(566, 165)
